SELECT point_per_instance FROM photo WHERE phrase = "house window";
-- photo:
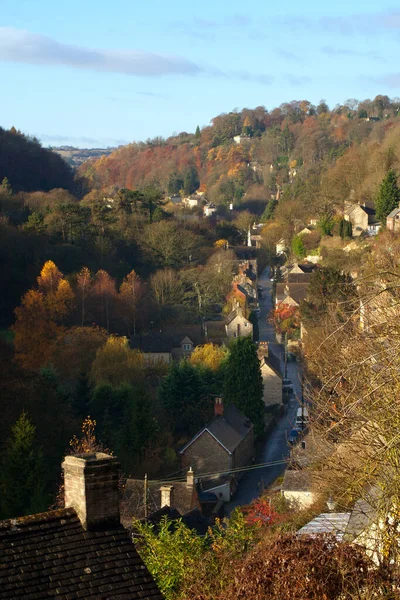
(246, 324)
(187, 347)
(235, 334)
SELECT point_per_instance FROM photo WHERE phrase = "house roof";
(335, 523)
(235, 313)
(50, 555)
(250, 274)
(228, 429)
(165, 341)
(296, 481)
(273, 363)
(152, 342)
(298, 277)
(184, 499)
(394, 213)
(296, 291)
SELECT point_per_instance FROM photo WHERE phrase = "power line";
(232, 471)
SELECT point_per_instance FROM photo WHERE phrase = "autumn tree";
(40, 317)
(388, 197)
(131, 295)
(243, 384)
(83, 285)
(116, 363)
(104, 295)
(210, 356)
(243, 222)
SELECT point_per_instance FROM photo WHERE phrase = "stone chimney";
(91, 488)
(190, 478)
(167, 495)
(218, 407)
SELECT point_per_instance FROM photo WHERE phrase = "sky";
(98, 73)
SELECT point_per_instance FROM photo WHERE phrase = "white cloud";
(18, 45)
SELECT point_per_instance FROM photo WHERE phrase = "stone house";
(226, 443)
(80, 551)
(236, 324)
(281, 247)
(363, 219)
(174, 343)
(272, 381)
(393, 220)
(297, 489)
(290, 293)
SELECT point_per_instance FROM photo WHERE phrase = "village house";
(143, 499)
(236, 324)
(239, 139)
(281, 247)
(80, 551)
(297, 489)
(224, 444)
(272, 381)
(299, 273)
(290, 293)
(174, 343)
(363, 219)
(393, 220)
(209, 209)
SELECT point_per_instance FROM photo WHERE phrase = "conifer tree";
(243, 384)
(388, 197)
(21, 478)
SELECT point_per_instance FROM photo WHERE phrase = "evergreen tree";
(185, 397)
(197, 134)
(269, 210)
(191, 180)
(6, 187)
(388, 196)
(298, 247)
(243, 384)
(21, 476)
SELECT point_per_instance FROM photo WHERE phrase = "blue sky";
(98, 73)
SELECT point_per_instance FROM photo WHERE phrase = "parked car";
(302, 418)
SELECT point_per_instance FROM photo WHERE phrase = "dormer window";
(187, 347)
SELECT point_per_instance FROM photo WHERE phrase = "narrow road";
(275, 448)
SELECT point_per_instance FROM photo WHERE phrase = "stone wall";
(206, 455)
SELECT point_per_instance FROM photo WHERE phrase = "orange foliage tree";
(39, 318)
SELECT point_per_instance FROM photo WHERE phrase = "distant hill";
(76, 156)
(29, 167)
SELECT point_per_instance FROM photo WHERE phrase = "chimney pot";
(166, 495)
(91, 488)
(218, 407)
(190, 478)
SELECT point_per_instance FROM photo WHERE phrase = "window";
(187, 347)
(246, 324)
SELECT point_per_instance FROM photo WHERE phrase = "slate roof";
(184, 499)
(152, 342)
(50, 555)
(296, 481)
(228, 429)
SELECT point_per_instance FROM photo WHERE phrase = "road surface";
(275, 448)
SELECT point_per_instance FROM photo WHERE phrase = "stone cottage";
(226, 443)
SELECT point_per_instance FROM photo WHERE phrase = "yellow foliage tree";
(35, 333)
(209, 355)
(221, 243)
(116, 363)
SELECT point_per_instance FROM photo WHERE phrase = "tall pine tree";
(21, 476)
(388, 197)
(243, 384)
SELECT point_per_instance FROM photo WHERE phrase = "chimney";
(167, 495)
(91, 488)
(218, 407)
(190, 478)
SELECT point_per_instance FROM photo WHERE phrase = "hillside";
(29, 167)
(294, 151)
(76, 156)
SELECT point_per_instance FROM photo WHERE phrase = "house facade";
(226, 443)
(272, 382)
(237, 325)
(363, 219)
(393, 220)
